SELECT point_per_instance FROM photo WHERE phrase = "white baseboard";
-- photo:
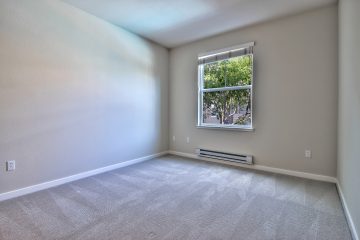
(57, 182)
(261, 168)
(347, 213)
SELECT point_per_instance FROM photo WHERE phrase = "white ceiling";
(175, 22)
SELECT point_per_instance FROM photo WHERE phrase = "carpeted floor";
(178, 198)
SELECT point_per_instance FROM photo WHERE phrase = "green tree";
(224, 104)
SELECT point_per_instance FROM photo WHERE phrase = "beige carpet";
(177, 198)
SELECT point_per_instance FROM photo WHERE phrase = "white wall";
(295, 93)
(349, 106)
(76, 93)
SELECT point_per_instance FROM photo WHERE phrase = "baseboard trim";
(57, 182)
(347, 213)
(261, 168)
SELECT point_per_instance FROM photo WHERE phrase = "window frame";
(201, 91)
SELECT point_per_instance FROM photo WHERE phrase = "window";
(225, 88)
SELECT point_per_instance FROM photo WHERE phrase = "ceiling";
(175, 22)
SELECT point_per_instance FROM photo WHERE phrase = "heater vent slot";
(240, 158)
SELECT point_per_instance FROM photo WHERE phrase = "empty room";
(186, 120)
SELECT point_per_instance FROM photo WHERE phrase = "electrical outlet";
(187, 139)
(10, 165)
(174, 138)
(308, 153)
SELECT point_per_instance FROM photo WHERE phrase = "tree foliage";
(227, 104)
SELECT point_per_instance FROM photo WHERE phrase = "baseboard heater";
(239, 158)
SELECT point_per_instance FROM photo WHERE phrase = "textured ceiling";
(172, 23)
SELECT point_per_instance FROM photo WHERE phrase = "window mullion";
(226, 88)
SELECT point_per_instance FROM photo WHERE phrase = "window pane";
(227, 107)
(235, 71)
(214, 74)
(239, 71)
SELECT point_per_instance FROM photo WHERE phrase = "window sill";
(232, 128)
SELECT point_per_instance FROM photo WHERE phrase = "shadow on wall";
(76, 93)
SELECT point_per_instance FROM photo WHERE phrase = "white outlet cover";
(308, 153)
(187, 139)
(10, 165)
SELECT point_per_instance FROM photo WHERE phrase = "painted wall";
(76, 93)
(295, 86)
(349, 106)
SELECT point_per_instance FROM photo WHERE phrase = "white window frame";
(201, 90)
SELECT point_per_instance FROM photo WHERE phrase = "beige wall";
(295, 93)
(349, 106)
(76, 93)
